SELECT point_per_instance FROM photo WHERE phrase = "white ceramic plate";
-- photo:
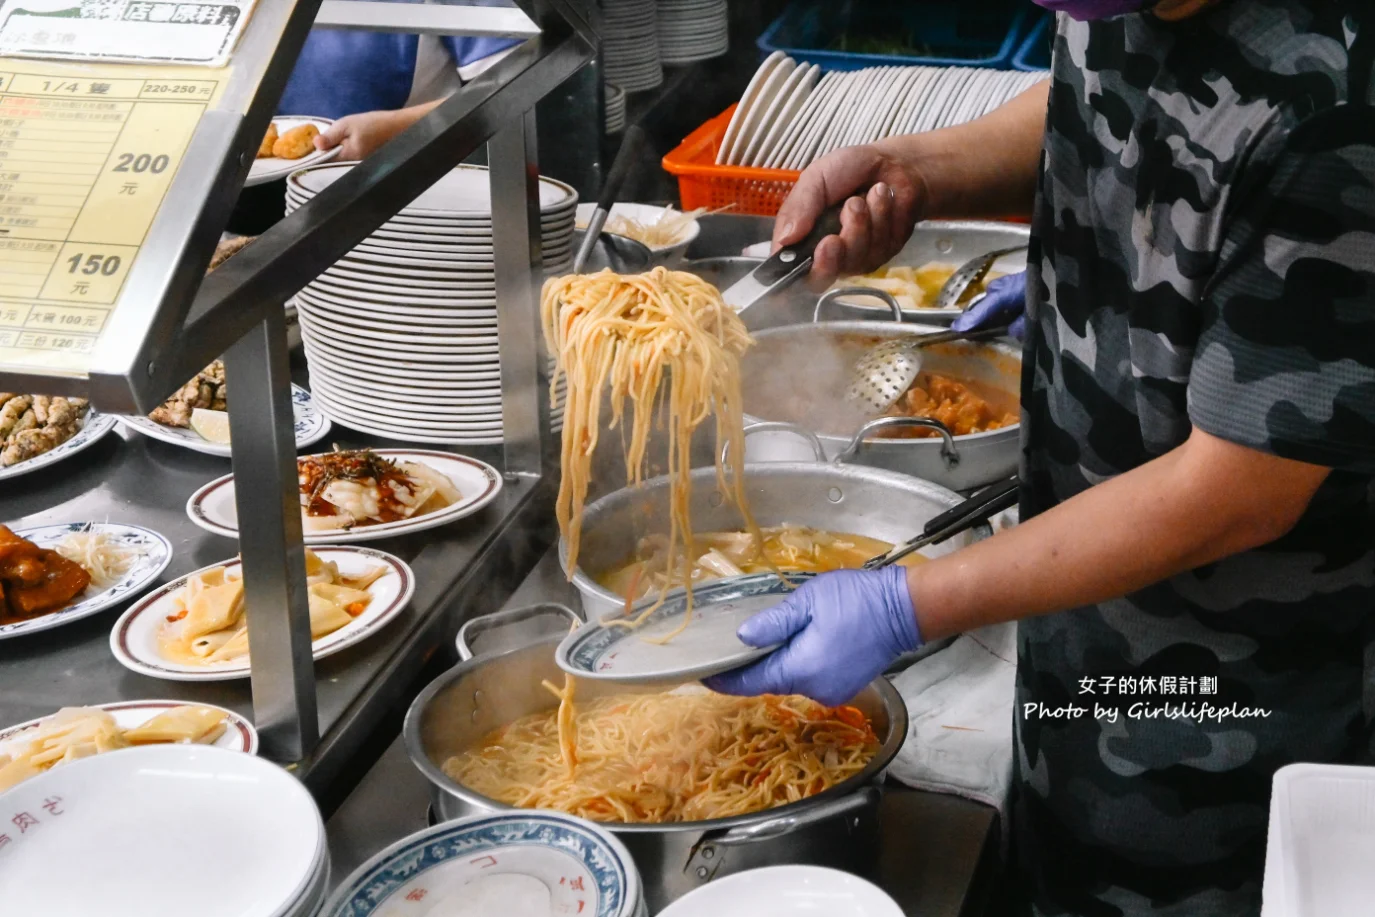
(791, 100)
(483, 378)
(707, 646)
(748, 147)
(134, 638)
(512, 863)
(430, 425)
(397, 373)
(465, 190)
(463, 321)
(125, 817)
(434, 366)
(212, 507)
(404, 341)
(383, 321)
(801, 120)
(311, 427)
(155, 552)
(474, 307)
(413, 436)
(92, 429)
(818, 122)
(271, 168)
(759, 110)
(239, 734)
(798, 890)
(747, 99)
(379, 349)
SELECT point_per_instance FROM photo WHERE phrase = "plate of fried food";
(196, 416)
(366, 494)
(51, 575)
(288, 145)
(29, 749)
(37, 430)
(195, 628)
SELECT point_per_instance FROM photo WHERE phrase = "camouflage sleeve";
(1286, 354)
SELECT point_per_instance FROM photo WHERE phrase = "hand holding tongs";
(977, 509)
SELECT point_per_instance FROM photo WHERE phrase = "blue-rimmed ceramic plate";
(311, 427)
(95, 426)
(154, 552)
(508, 863)
(707, 646)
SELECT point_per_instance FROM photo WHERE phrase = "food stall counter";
(938, 853)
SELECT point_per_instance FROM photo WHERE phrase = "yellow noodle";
(635, 337)
(670, 757)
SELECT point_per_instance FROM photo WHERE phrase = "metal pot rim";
(585, 583)
(888, 749)
(864, 326)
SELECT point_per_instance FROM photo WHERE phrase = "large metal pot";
(838, 827)
(798, 373)
(836, 497)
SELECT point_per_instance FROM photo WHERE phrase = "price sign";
(201, 33)
(87, 154)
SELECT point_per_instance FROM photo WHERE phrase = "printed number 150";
(107, 265)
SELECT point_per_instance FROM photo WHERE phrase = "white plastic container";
(1321, 846)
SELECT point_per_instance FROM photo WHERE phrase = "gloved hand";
(1005, 302)
(839, 632)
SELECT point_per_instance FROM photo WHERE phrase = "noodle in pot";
(688, 755)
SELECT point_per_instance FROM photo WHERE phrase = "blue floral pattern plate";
(509, 863)
(95, 426)
(154, 553)
(707, 646)
(311, 427)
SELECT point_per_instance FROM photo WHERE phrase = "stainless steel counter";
(938, 852)
(465, 568)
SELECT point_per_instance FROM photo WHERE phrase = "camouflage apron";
(1205, 255)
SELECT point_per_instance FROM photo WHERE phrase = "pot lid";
(707, 645)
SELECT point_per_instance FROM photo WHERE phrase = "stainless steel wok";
(838, 827)
(798, 374)
(836, 497)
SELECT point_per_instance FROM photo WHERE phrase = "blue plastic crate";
(958, 34)
(1034, 51)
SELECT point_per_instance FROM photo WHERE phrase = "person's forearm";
(985, 168)
(1196, 504)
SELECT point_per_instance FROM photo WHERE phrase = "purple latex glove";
(839, 632)
(1005, 301)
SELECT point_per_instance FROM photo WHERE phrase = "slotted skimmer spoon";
(971, 272)
(885, 371)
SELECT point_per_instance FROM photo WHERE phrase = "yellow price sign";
(87, 154)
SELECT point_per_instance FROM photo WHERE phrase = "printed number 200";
(141, 162)
(95, 264)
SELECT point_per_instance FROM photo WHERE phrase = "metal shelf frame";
(188, 319)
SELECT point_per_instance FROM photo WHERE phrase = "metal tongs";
(978, 509)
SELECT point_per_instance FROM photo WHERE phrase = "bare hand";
(874, 227)
(360, 135)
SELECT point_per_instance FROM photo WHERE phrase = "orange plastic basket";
(703, 183)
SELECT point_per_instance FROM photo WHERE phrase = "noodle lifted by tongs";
(626, 333)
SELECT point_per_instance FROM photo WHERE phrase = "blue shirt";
(343, 72)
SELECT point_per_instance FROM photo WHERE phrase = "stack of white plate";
(791, 115)
(630, 45)
(615, 108)
(164, 831)
(519, 862)
(401, 333)
(692, 30)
